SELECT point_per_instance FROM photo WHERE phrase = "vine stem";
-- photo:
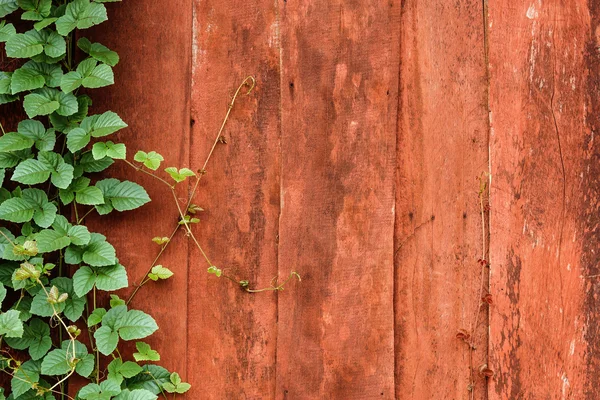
(484, 264)
(247, 82)
(71, 338)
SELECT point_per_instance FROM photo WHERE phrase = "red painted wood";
(232, 334)
(442, 150)
(544, 101)
(151, 94)
(338, 110)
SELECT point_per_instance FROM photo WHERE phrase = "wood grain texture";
(442, 151)
(158, 116)
(545, 196)
(232, 334)
(339, 92)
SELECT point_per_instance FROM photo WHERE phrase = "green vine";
(51, 266)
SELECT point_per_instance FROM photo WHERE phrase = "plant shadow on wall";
(47, 190)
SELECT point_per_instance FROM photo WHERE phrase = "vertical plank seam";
(395, 239)
(487, 226)
(189, 136)
(280, 129)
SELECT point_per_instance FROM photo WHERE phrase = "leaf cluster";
(51, 265)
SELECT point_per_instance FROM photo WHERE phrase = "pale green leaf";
(83, 281)
(112, 278)
(136, 325)
(106, 340)
(101, 76)
(26, 79)
(77, 139)
(49, 240)
(11, 325)
(56, 363)
(13, 141)
(89, 196)
(145, 353)
(31, 172)
(24, 45)
(17, 210)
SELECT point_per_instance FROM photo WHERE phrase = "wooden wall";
(358, 162)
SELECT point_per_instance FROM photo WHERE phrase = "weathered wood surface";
(544, 224)
(338, 120)
(442, 153)
(356, 162)
(232, 335)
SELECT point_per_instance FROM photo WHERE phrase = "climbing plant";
(53, 324)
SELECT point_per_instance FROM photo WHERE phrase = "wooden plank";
(442, 151)
(544, 101)
(232, 334)
(152, 95)
(339, 104)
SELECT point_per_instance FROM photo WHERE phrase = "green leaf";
(90, 165)
(17, 210)
(26, 79)
(48, 240)
(83, 281)
(37, 334)
(105, 391)
(181, 175)
(68, 103)
(45, 215)
(55, 45)
(74, 305)
(86, 365)
(136, 325)
(138, 394)
(24, 45)
(13, 141)
(5, 81)
(99, 52)
(62, 176)
(77, 139)
(56, 363)
(160, 272)
(79, 235)
(151, 379)
(44, 23)
(44, 139)
(39, 104)
(96, 317)
(6, 30)
(101, 76)
(31, 172)
(127, 196)
(24, 378)
(3, 292)
(8, 160)
(150, 160)
(145, 353)
(89, 196)
(112, 278)
(117, 370)
(106, 340)
(81, 14)
(41, 307)
(103, 124)
(176, 385)
(11, 325)
(109, 149)
(70, 81)
(99, 253)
